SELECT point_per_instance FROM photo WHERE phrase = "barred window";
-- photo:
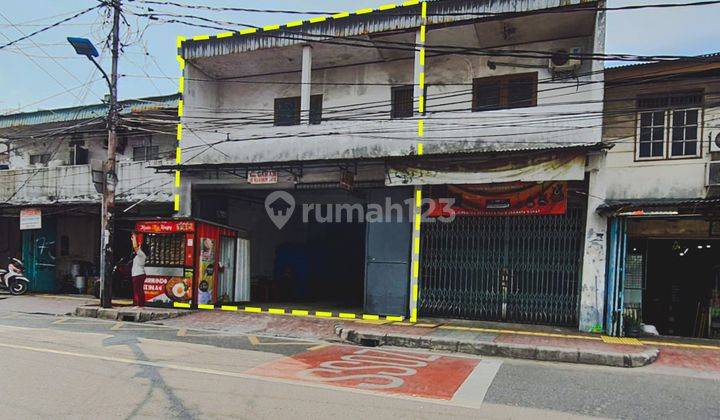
(143, 153)
(505, 92)
(287, 110)
(669, 125)
(652, 134)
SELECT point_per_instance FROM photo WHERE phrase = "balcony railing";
(74, 184)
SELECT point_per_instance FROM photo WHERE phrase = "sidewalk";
(533, 345)
(532, 342)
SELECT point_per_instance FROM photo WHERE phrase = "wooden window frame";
(668, 108)
(316, 106)
(413, 102)
(698, 139)
(504, 83)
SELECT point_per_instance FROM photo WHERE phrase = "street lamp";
(84, 46)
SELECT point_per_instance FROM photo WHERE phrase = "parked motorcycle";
(13, 278)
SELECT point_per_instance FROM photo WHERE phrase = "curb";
(127, 315)
(513, 351)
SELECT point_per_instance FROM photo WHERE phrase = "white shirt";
(138, 265)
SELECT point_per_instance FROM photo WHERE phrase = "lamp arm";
(104, 75)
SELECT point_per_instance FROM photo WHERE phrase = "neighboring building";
(660, 184)
(52, 162)
(328, 111)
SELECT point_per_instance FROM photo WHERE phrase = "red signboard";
(165, 226)
(262, 177)
(508, 199)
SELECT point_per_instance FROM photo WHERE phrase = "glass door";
(226, 269)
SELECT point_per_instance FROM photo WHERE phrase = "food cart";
(193, 262)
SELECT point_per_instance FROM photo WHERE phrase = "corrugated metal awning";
(86, 112)
(362, 22)
(659, 207)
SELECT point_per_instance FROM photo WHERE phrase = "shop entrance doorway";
(681, 276)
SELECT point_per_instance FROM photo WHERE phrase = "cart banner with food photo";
(164, 289)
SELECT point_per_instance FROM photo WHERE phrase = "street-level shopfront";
(320, 241)
(664, 267)
(513, 251)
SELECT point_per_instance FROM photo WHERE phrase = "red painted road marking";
(431, 376)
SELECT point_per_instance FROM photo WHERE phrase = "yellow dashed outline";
(295, 312)
(318, 19)
(340, 15)
(180, 112)
(294, 24)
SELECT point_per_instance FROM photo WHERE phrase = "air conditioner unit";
(563, 61)
(714, 139)
(713, 174)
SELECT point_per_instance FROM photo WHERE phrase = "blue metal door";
(387, 254)
(615, 276)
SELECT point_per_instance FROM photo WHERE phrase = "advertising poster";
(206, 277)
(166, 289)
(508, 199)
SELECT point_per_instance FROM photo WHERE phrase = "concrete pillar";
(185, 192)
(419, 71)
(592, 291)
(415, 217)
(305, 88)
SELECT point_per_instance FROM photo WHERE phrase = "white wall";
(232, 102)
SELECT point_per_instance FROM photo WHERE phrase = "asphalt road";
(61, 367)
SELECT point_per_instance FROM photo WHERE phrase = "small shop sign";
(30, 219)
(262, 177)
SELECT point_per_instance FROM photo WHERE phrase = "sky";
(43, 72)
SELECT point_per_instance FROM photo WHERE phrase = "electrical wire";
(413, 47)
(53, 25)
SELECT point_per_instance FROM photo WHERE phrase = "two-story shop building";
(494, 104)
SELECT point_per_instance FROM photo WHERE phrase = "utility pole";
(107, 224)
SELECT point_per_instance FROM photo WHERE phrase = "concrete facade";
(231, 84)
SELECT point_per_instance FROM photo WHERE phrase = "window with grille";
(684, 132)
(505, 92)
(143, 153)
(40, 158)
(669, 126)
(287, 110)
(652, 134)
(402, 101)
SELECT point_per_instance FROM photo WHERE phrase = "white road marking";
(472, 392)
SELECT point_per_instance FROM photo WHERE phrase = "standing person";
(138, 274)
